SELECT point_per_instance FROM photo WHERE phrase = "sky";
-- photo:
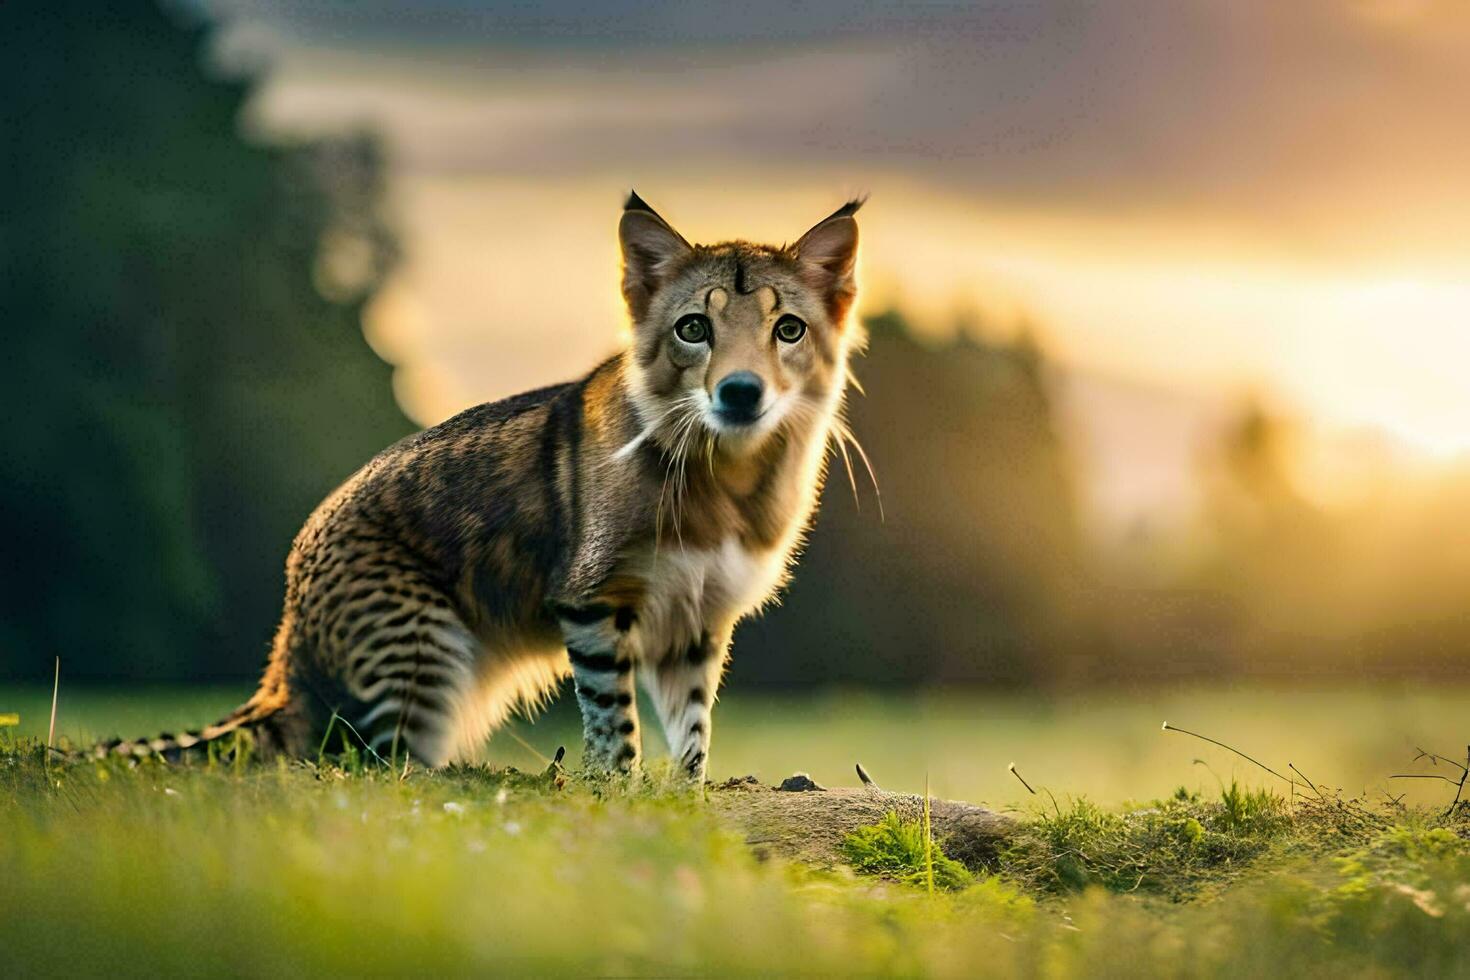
(1196, 197)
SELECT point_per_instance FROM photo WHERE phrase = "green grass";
(1105, 746)
(904, 851)
(1169, 846)
(345, 866)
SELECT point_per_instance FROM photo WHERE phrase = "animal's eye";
(789, 329)
(693, 328)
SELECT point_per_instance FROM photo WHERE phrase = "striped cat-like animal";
(615, 526)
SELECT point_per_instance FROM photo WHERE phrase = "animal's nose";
(738, 396)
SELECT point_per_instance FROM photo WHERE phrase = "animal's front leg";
(602, 668)
(682, 685)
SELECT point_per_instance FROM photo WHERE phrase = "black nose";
(738, 396)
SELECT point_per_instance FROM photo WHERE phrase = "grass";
(903, 851)
(1104, 745)
(345, 865)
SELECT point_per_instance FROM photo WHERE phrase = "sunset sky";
(1202, 196)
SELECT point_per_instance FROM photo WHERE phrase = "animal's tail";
(256, 724)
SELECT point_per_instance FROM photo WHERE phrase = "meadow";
(1144, 852)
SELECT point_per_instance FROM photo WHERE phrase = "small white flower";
(512, 828)
(455, 808)
(170, 791)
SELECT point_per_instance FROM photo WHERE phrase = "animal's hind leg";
(505, 683)
(409, 668)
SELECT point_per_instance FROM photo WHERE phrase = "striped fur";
(612, 530)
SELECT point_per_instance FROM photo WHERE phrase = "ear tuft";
(846, 211)
(636, 203)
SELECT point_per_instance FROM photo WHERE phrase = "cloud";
(1130, 103)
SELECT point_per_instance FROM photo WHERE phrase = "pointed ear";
(827, 255)
(651, 250)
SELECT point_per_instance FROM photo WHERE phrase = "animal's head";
(737, 340)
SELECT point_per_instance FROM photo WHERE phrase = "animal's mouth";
(737, 418)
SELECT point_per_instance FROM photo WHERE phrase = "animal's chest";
(691, 590)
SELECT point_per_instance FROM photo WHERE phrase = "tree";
(189, 375)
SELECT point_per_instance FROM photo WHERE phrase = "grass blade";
(51, 732)
(928, 841)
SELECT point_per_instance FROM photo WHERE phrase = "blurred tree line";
(968, 570)
(1268, 582)
(188, 375)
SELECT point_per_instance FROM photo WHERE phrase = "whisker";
(837, 440)
(677, 455)
(631, 446)
(803, 413)
(663, 491)
(650, 430)
(847, 435)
